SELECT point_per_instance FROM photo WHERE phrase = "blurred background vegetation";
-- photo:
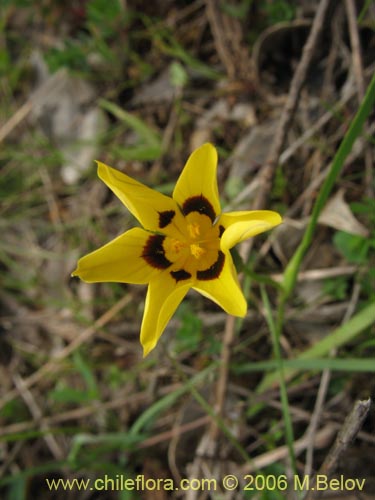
(138, 85)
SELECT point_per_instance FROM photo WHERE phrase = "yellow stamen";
(177, 245)
(197, 251)
(194, 230)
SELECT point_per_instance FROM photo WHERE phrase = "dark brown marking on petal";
(154, 253)
(199, 204)
(221, 230)
(180, 275)
(213, 271)
(166, 218)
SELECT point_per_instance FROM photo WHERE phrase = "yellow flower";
(184, 243)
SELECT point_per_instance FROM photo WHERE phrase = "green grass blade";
(33, 471)
(164, 403)
(283, 392)
(291, 272)
(341, 365)
(339, 337)
(145, 132)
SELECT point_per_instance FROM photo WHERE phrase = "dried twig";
(85, 412)
(315, 418)
(318, 180)
(266, 176)
(320, 274)
(227, 33)
(348, 432)
(359, 76)
(176, 431)
(37, 414)
(52, 84)
(322, 438)
(323, 388)
(53, 364)
(356, 47)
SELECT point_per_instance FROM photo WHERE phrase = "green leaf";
(102, 443)
(145, 132)
(103, 12)
(149, 146)
(178, 75)
(279, 11)
(85, 370)
(69, 395)
(352, 246)
(17, 489)
(189, 335)
(139, 153)
(238, 11)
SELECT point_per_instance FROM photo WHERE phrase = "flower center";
(197, 251)
(196, 239)
(193, 252)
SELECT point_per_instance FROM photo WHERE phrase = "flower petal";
(154, 210)
(118, 261)
(163, 297)
(198, 180)
(225, 290)
(242, 225)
